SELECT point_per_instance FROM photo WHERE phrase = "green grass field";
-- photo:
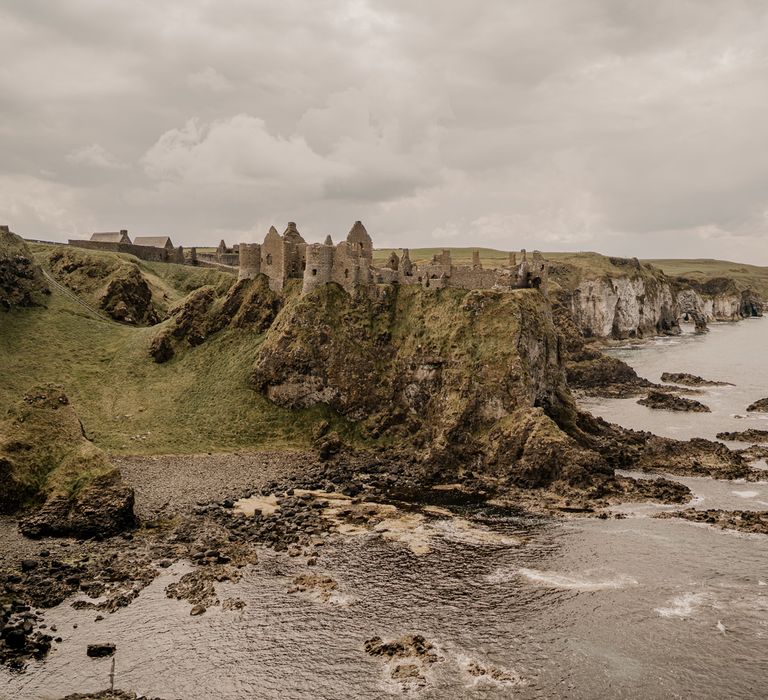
(745, 275)
(197, 402)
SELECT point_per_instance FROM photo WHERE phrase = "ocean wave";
(682, 606)
(552, 579)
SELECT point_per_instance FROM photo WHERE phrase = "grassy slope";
(745, 275)
(169, 282)
(128, 404)
(596, 265)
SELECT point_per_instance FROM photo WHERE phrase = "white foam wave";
(552, 579)
(682, 606)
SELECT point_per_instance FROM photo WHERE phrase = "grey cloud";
(585, 124)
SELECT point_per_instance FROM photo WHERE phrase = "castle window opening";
(314, 272)
(269, 258)
(346, 274)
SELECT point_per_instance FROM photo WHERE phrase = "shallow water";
(729, 352)
(583, 608)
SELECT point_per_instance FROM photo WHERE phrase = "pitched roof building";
(111, 237)
(154, 241)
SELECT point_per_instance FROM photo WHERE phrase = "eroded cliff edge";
(472, 384)
(619, 298)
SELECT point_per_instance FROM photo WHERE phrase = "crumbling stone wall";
(142, 252)
(350, 265)
(250, 261)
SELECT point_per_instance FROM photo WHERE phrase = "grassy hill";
(752, 276)
(198, 402)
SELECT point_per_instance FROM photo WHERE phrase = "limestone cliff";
(21, 280)
(716, 299)
(623, 298)
(618, 297)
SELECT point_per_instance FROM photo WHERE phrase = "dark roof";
(111, 237)
(153, 241)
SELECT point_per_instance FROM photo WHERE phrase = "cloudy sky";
(626, 127)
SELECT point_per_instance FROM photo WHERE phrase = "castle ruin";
(349, 264)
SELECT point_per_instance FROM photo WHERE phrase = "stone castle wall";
(250, 261)
(350, 265)
(143, 252)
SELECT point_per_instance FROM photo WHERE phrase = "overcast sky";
(626, 127)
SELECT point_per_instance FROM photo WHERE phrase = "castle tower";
(294, 253)
(512, 259)
(319, 266)
(445, 262)
(405, 263)
(250, 261)
(360, 241)
(539, 272)
(393, 263)
(476, 260)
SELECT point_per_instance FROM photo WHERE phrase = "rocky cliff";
(467, 380)
(623, 298)
(47, 462)
(21, 279)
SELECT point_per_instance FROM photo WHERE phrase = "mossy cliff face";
(249, 303)
(441, 370)
(45, 458)
(21, 280)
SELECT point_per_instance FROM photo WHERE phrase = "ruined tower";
(250, 261)
(319, 265)
(360, 241)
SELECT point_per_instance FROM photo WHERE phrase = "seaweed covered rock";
(662, 401)
(748, 435)
(46, 459)
(531, 451)
(110, 283)
(690, 379)
(22, 282)
(249, 303)
(588, 369)
(760, 406)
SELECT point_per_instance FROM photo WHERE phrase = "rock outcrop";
(110, 283)
(690, 379)
(663, 401)
(435, 368)
(760, 406)
(22, 283)
(248, 304)
(46, 461)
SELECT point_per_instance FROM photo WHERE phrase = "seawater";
(584, 608)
